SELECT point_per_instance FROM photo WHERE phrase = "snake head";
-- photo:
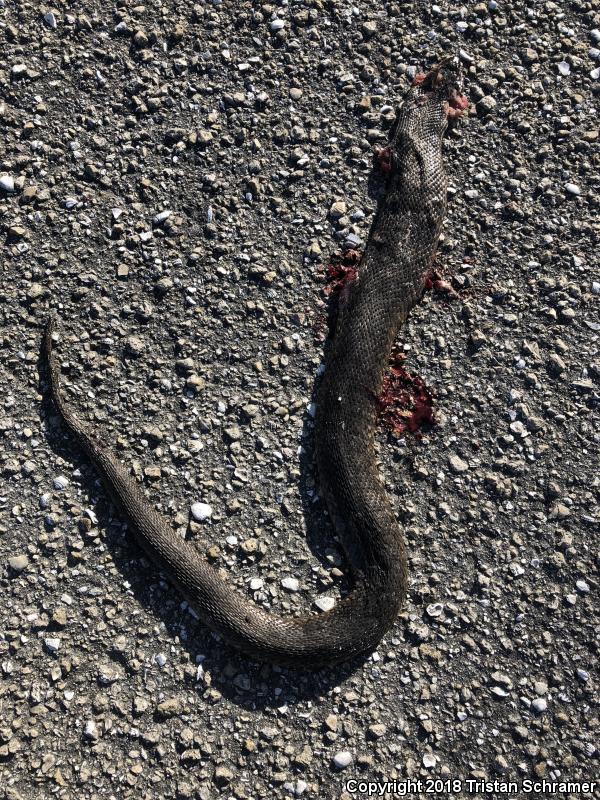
(443, 82)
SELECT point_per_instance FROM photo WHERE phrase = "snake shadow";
(247, 683)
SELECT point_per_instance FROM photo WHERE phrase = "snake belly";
(389, 281)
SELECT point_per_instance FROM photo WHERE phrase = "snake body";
(389, 281)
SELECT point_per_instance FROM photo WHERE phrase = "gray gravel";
(173, 179)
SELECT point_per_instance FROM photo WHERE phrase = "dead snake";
(389, 281)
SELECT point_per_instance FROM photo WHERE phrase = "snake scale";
(389, 282)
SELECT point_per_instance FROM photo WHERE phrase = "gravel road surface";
(173, 181)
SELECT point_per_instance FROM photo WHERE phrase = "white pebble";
(595, 73)
(256, 584)
(160, 659)
(201, 511)
(291, 584)
(518, 428)
(107, 674)
(434, 609)
(572, 188)
(52, 645)
(277, 25)
(7, 183)
(325, 603)
(539, 705)
(45, 500)
(429, 760)
(89, 729)
(342, 759)
(582, 586)
(89, 513)
(595, 287)
(564, 68)
(50, 19)
(161, 217)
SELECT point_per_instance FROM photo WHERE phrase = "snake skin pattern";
(389, 281)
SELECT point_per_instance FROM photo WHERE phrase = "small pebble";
(90, 729)
(486, 105)
(457, 465)
(45, 500)
(201, 511)
(342, 759)
(161, 217)
(325, 603)
(571, 599)
(291, 584)
(60, 482)
(7, 184)
(564, 67)
(435, 610)
(108, 674)
(18, 563)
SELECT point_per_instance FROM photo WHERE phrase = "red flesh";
(405, 402)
